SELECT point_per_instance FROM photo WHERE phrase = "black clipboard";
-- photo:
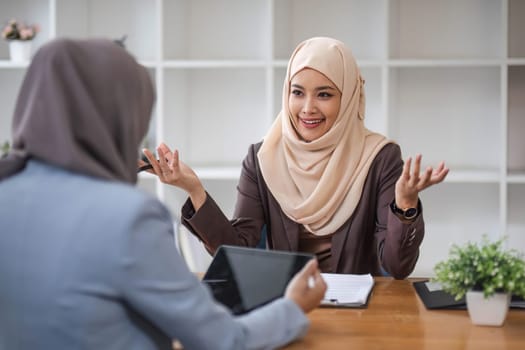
(336, 304)
(435, 298)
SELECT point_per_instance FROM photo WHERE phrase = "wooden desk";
(397, 319)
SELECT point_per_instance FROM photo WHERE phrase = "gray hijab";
(85, 106)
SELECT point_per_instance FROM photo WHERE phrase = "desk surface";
(397, 319)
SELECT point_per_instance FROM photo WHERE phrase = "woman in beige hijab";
(319, 182)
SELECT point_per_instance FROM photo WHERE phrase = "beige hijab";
(319, 183)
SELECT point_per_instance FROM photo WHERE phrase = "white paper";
(433, 286)
(347, 288)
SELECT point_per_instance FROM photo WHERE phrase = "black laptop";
(245, 278)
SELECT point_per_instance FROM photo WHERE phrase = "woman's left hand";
(411, 181)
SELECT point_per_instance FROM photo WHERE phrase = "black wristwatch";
(407, 214)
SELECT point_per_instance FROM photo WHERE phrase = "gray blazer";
(373, 240)
(91, 264)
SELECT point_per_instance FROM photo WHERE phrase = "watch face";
(410, 213)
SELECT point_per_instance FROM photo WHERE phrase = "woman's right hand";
(307, 287)
(172, 171)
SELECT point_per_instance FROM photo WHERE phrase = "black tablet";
(245, 278)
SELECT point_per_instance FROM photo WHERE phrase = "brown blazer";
(374, 238)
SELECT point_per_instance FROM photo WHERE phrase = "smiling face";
(314, 103)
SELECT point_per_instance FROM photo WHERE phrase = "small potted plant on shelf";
(19, 37)
(487, 274)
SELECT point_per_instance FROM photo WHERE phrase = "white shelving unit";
(443, 78)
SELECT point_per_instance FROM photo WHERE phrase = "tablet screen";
(245, 278)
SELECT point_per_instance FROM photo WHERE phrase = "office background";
(443, 78)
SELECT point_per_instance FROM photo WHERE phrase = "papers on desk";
(347, 290)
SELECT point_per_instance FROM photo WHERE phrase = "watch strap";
(406, 214)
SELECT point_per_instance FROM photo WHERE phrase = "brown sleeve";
(398, 241)
(213, 228)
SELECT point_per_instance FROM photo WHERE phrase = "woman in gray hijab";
(86, 259)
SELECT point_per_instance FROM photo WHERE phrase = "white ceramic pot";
(490, 311)
(20, 50)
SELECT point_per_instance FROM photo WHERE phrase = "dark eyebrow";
(319, 88)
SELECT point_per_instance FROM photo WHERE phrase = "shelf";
(7, 64)
(516, 61)
(204, 173)
(473, 176)
(218, 173)
(446, 63)
(29, 12)
(147, 177)
(214, 64)
(148, 64)
(516, 178)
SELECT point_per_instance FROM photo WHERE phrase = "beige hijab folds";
(319, 183)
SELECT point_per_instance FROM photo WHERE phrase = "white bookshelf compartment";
(278, 84)
(374, 115)
(450, 114)
(446, 29)
(516, 217)
(216, 30)
(456, 213)
(28, 12)
(359, 24)
(10, 83)
(213, 115)
(224, 192)
(516, 28)
(111, 19)
(374, 112)
(150, 141)
(516, 120)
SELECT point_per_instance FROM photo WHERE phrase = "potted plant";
(4, 149)
(19, 37)
(487, 274)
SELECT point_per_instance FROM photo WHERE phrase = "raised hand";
(172, 171)
(411, 181)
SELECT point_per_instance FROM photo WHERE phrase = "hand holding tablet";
(246, 278)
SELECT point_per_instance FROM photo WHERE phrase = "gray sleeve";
(274, 325)
(156, 282)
